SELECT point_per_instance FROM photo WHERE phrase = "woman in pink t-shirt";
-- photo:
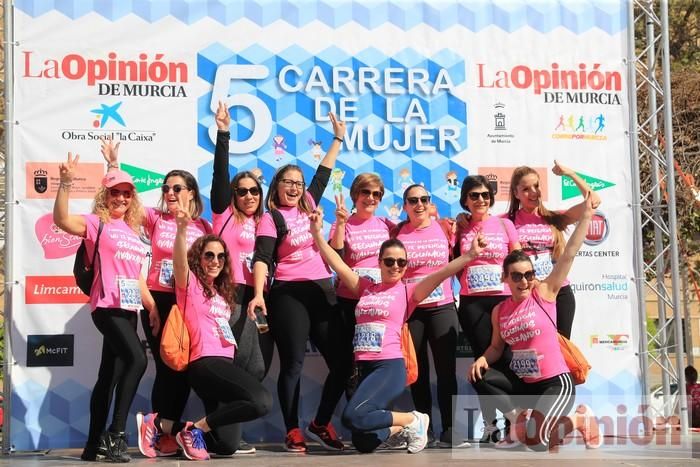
(302, 298)
(118, 292)
(538, 377)
(170, 388)
(480, 283)
(357, 239)
(428, 245)
(382, 309)
(541, 230)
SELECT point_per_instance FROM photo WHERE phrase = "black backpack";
(84, 272)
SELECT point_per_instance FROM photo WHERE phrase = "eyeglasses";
(244, 191)
(375, 194)
(518, 276)
(209, 256)
(413, 200)
(176, 188)
(475, 195)
(389, 262)
(113, 192)
(290, 183)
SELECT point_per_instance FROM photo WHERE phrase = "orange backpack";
(175, 341)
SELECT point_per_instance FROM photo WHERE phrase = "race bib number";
(542, 262)
(225, 332)
(484, 278)
(165, 278)
(525, 363)
(372, 274)
(368, 337)
(435, 296)
(129, 294)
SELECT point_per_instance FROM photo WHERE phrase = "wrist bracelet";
(112, 166)
(338, 139)
(64, 185)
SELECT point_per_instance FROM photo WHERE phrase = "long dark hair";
(223, 283)
(392, 242)
(272, 200)
(471, 182)
(191, 182)
(237, 213)
(515, 256)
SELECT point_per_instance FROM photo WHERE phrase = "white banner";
(431, 91)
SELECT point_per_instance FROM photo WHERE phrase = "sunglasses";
(255, 191)
(290, 183)
(475, 195)
(375, 194)
(113, 192)
(389, 262)
(176, 188)
(413, 200)
(518, 276)
(209, 256)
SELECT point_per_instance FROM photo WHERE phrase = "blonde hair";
(133, 216)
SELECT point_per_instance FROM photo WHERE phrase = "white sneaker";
(417, 432)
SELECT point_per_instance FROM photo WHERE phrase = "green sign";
(144, 179)
(570, 190)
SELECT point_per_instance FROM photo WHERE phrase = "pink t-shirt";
(532, 337)
(121, 254)
(427, 250)
(240, 240)
(536, 234)
(482, 276)
(363, 237)
(206, 320)
(379, 315)
(298, 257)
(161, 227)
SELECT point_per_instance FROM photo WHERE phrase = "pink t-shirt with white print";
(427, 250)
(363, 237)
(532, 337)
(298, 257)
(161, 227)
(482, 276)
(206, 320)
(240, 240)
(119, 266)
(380, 314)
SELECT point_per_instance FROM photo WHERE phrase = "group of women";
(278, 263)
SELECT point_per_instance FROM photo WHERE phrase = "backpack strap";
(226, 223)
(280, 226)
(95, 255)
(536, 297)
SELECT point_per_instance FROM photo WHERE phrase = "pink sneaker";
(192, 443)
(166, 445)
(587, 424)
(148, 433)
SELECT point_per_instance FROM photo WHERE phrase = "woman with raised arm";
(381, 310)
(357, 239)
(428, 244)
(205, 294)
(170, 388)
(117, 294)
(302, 299)
(541, 230)
(480, 283)
(538, 377)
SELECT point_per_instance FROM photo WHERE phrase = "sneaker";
(192, 443)
(148, 433)
(432, 441)
(586, 423)
(294, 442)
(95, 453)
(491, 434)
(166, 445)
(395, 442)
(417, 432)
(447, 441)
(116, 447)
(507, 443)
(325, 436)
(245, 448)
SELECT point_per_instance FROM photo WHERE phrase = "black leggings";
(170, 388)
(550, 400)
(299, 311)
(566, 308)
(121, 368)
(346, 307)
(230, 395)
(254, 352)
(437, 326)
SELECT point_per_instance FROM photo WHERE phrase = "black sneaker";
(491, 434)
(245, 448)
(116, 447)
(98, 453)
(432, 442)
(447, 440)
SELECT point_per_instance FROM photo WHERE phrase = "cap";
(115, 177)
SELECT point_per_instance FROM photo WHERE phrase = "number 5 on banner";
(262, 118)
